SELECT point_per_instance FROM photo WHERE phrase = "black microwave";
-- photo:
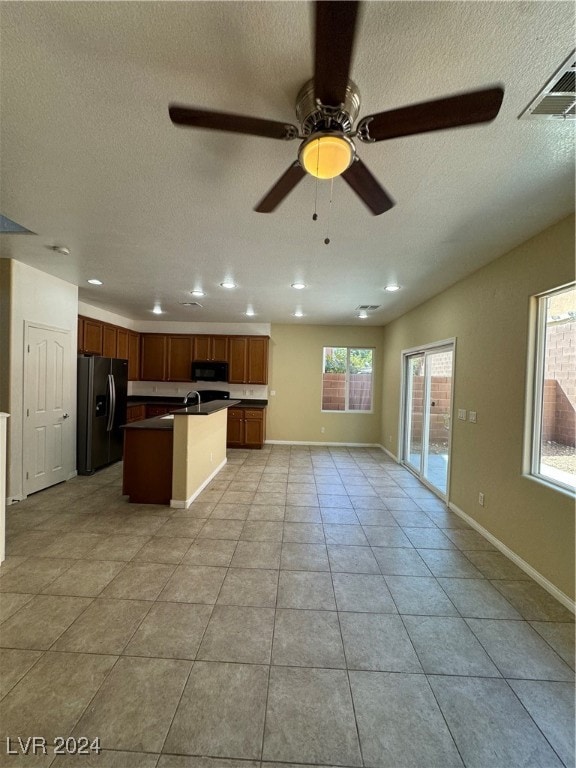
(209, 370)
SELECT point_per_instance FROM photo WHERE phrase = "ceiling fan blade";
(463, 109)
(367, 188)
(225, 121)
(281, 189)
(335, 27)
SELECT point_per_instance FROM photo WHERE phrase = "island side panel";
(199, 453)
(148, 465)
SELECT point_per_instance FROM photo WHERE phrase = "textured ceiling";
(90, 159)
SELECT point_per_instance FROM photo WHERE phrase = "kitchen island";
(170, 459)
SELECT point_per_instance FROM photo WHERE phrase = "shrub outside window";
(347, 379)
(553, 449)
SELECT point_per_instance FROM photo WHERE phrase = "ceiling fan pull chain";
(327, 238)
(315, 214)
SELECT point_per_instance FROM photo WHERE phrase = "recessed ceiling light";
(250, 312)
(363, 315)
(95, 281)
(157, 309)
(298, 286)
(298, 313)
(228, 284)
(197, 292)
(392, 287)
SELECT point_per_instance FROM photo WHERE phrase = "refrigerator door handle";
(111, 402)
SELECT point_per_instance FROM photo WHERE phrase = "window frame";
(535, 399)
(347, 380)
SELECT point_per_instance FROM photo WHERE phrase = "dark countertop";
(161, 422)
(151, 400)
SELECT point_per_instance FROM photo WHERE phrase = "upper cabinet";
(98, 338)
(179, 358)
(248, 360)
(109, 341)
(237, 359)
(153, 356)
(90, 342)
(210, 347)
(168, 357)
(133, 356)
(122, 346)
(257, 360)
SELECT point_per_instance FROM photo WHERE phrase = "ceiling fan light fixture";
(326, 155)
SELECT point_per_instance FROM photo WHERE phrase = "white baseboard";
(323, 443)
(185, 503)
(517, 560)
(389, 454)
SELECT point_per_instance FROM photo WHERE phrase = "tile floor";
(313, 606)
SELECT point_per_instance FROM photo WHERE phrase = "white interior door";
(47, 426)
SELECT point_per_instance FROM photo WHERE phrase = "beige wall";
(489, 314)
(295, 376)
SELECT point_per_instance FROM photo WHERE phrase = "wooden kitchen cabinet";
(109, 341)
(237, 359)
(179, 358)
(248, 360)
(133, 356)
(135, 413)
(153, 356)
(122, 343)
(91, 337)
(257, 360)
(160, 410)
(98, 338)
(246, 427)
(208, 347)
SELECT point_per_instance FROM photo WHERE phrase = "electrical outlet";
(272, 392)
(389, 439)
(481, 499)
(154, 389)
(322, 429)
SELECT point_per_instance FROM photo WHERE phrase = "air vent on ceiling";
(190, 304)
(557, 100)
(368, 307)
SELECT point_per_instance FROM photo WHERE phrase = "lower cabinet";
(159, 410)
(135, 413)
(246, 427)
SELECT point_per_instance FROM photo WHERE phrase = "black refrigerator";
(102, 393)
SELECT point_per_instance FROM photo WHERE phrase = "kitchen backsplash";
(177, 389)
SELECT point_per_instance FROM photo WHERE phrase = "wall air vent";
(557, 100)
(368, 307)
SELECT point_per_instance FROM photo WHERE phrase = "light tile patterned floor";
(313, 606)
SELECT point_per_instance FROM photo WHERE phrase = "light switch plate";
(462, 414)
(472, 416)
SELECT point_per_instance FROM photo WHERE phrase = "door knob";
(65, 416)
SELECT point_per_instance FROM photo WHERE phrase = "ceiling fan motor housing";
(315, 117)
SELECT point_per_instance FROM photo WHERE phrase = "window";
(347, 379)
(553, 413)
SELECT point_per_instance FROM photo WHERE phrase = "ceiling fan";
(327, 107)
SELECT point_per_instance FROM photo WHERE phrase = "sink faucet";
(192, 392)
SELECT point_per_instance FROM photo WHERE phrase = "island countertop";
(167, 421)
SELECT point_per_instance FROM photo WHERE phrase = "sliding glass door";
(427, 413)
